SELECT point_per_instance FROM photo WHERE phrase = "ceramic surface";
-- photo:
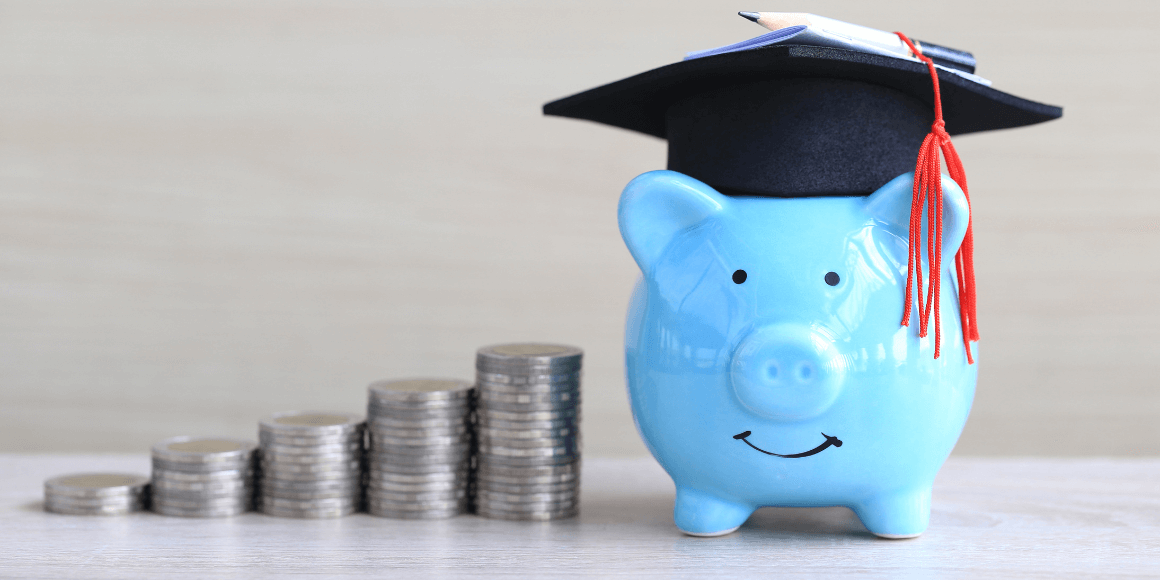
(765, 357)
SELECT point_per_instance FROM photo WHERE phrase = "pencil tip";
(750, 16)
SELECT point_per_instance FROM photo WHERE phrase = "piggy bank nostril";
(805, 372)
(772, 370)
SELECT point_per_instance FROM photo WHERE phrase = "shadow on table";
(32, 506)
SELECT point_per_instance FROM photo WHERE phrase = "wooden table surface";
(1009, 518)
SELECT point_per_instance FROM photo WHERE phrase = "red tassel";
(928, 191)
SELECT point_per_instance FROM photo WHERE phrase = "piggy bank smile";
(743, 436)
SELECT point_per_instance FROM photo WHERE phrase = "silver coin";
(493, 399)
(416, 496)
(430, 486)
(351, 494)
(416, 505)
(308, 504)
(385, 512)
(546, 515)
(496, 414)
(311, 423)
(507, 461)
(569, 442)
(416, 469)
(492, 495)
(486, 406)
(319, 459)
(525, 378)
(202, 503)
(163, 486)
(94, 503)
(318, 476)
(208, 477)
(490, 479)
(202, 468)
(210, 450)
(213, 492)
(419, 416)
(417, 422)
(333, 486)
(319, 513)
(381, 441)
(96, 484)
(538, 390)
(72, 510)
(278, 465)
(494, 449)
(530, 353)
(420, 389)
(434, 452)
(444, 431)
(266, 439)
(564, 468)
(443, 406)
(276, 449)
(556, 433)
(215, 512)
(483, 507)
(499, 425)
(515, 504)
(525, 488)
(411, 478)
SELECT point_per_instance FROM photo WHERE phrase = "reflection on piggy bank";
(765, 357)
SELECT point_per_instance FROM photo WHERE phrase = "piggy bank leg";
(896, 515)
(697, 513)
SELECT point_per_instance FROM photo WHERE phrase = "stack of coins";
(311, 464)
(96, 494)
(203, 477)
(420, 448)
(528, 415)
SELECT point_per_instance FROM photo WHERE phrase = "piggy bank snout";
(786, 372)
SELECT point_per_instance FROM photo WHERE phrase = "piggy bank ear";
(657, 206)
(891, 204)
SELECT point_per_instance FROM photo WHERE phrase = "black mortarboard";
(795, 120)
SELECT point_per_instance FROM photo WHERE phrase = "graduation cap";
(792, 119)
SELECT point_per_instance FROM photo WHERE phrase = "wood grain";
(991, 518)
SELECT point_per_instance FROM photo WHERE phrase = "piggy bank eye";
(739, 276)
(832, 278)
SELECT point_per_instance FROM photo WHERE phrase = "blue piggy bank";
(766, 362)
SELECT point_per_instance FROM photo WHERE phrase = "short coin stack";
(203, 477)
(96, 494)
(528, 416)
(311, 464)
(420, 448)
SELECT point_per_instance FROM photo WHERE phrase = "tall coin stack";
(96, 494)
(203, 477)
(420, 448)
(311, 464)
(528, 415)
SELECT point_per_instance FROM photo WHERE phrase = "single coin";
(420, 389)
(318, 459)
(340, 440)
(504, 487)
(320, 513)
(385, 512)
(448, 431)
(547, 515)
(216, 512)
(96, 485)
(204, 503)
(491, 478)
(571, 442)
(496, 414)
(417, 422)
(486, 406)
(542, 461)
(492, 399)
(73, 510)
(409, 453)
(556, 433)
(420, 416)
(94, 502)
(381, 441)
(416, 496)
(530, 353)
(373, 499)
(482, 377)
(430, 486)
(312, 423)
(350, 494)
(209, 477)
(448, 406)
(484, 504)
(507, 450)
(492, 495)
(280, 465)
(308, 504)
(539, 390)
(204, 450)
(202, 468)
(200, 494)
(317, 476)
(343, 448)
(332, 487)
(416, 469)
(410, 478)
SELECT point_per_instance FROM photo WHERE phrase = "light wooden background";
(214, 210)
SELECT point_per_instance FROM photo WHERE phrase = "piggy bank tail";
(928, 182)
